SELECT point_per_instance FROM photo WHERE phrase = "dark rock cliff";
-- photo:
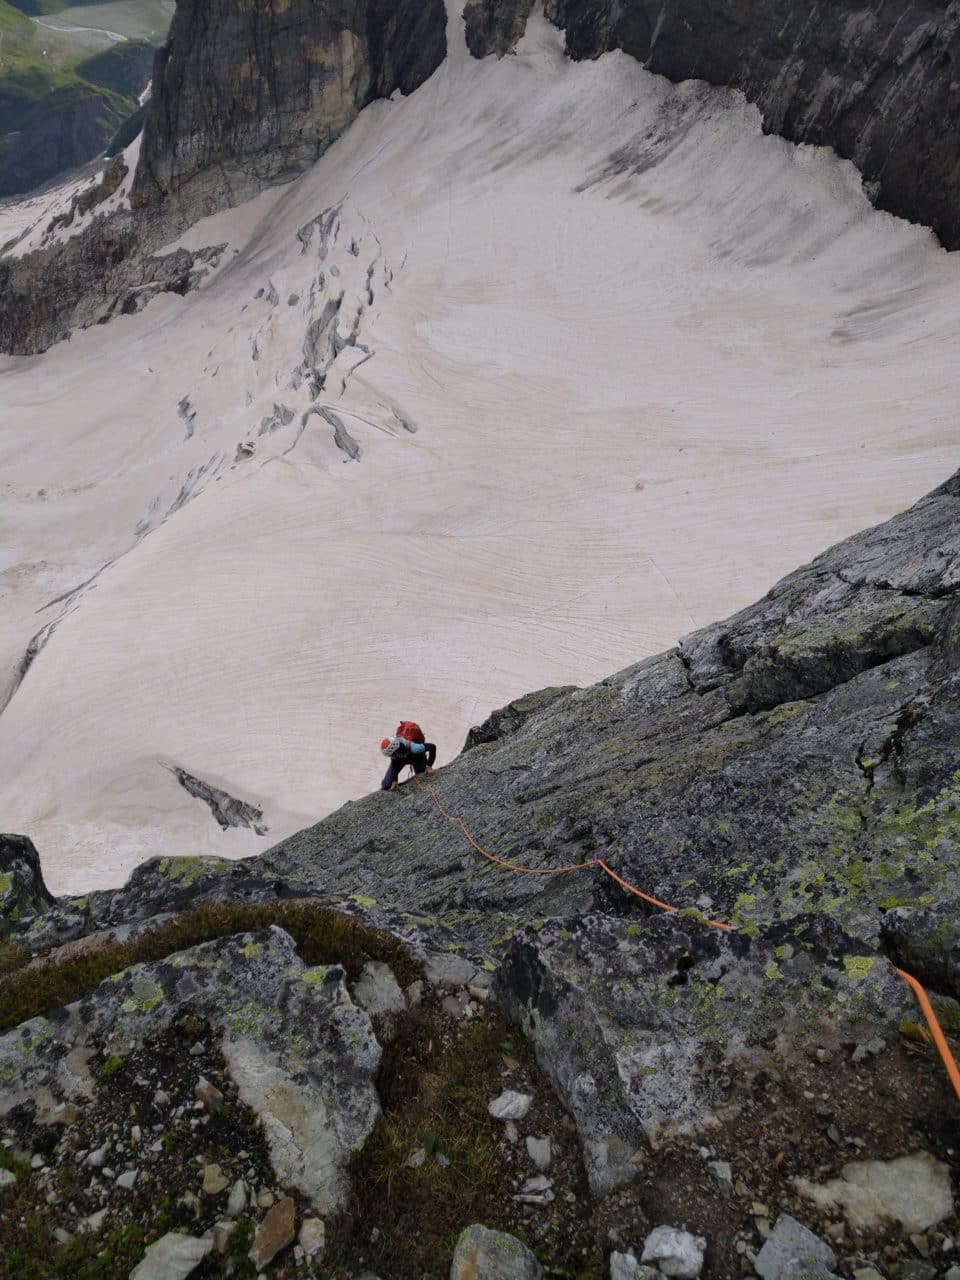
(245, 95)
(879, 83)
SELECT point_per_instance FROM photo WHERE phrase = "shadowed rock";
(22, 890)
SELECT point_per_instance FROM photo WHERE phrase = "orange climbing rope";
(664, 906)
(939, 1039)
(511, 866)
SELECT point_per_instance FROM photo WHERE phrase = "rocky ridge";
(878, 84)
(791, 771)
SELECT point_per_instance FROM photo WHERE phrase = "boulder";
(676, 1253)
(482, 1254)
(172, 1257)
(793, 1250)
(912, 1190)
(301, 1053)
(274, 1233)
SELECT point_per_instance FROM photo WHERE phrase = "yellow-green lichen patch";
(6, 882)
(246, 1019)
(858, 967)
(362, 901)
(187, 871)
(316, 976)
(145, 995)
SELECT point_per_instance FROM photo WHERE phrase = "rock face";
(246, 94)
(799, 758)
(301, 1053)
(641, 1027)
(102, 272)
(878, 83)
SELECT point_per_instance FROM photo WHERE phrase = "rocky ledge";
(666, 1092)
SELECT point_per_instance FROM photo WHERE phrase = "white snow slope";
(639, 397)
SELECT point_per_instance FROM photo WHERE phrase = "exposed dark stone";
(228, 811)
(927, 943)
(878, 83)
(101, 272)
(22, 890)
(642, 1027)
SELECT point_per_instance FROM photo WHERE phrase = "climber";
(406, 747)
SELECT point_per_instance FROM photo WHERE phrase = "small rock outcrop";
(643, 1028)
(105, 270)
(23, 893)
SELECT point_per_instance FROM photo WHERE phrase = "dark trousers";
(403, 758)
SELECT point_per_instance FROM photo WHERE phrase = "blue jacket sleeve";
(417, 748)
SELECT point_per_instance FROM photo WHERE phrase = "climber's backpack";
(411, 731)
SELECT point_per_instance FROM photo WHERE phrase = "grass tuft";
(322, 936)
(434, 1090)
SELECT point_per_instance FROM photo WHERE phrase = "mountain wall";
(878, 83)
(60, 132)
(54, 120)
(246, 95)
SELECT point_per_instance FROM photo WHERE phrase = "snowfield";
(535, 371)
